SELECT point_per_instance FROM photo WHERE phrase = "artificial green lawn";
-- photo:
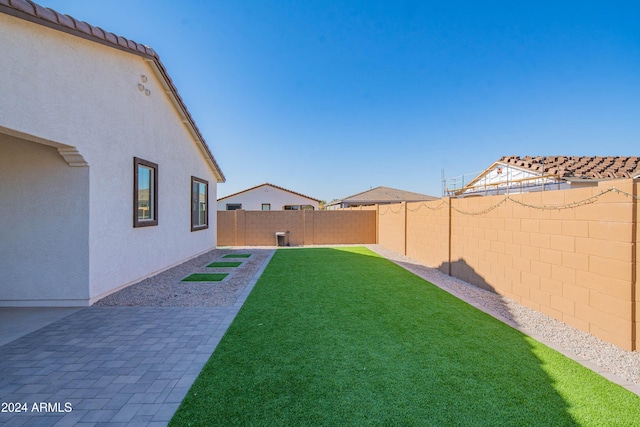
(222, 264)
(205, 277)
(345, 337)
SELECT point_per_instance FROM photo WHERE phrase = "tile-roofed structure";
(380, 195)
(33, 12)
(536, 173)
(585, 167)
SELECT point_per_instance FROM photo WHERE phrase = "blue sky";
(331, 98)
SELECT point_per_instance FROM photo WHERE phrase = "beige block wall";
(392, 226)
(342, 227)
(258, 228)
(576, 264)
(428, 239)
(226, 228)
(636, 289)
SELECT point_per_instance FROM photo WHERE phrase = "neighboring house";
(378, 196)
(104, 177)
(513, 174)
(267, 197)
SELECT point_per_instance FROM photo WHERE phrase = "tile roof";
(33, 12)
(385, 194)
(584, 167)
(271, 185)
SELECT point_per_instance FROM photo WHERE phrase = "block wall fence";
(570, 254)
(258, 228)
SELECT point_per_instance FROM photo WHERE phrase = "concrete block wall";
(258, 228)
(392, 230)
(577, 263)
(636, 289)
(428, 233)
(573, 264)
(226, 228)
(341, 227)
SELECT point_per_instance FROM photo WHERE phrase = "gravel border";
(596, 354)
(167, 290)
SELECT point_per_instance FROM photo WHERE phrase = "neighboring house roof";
(533, 171)
(30, 11)
(596, 167)
(271, 185)
(383, 195)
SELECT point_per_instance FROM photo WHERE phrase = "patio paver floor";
(115, 365)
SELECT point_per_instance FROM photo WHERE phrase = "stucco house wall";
(61, 90)
(44, 212)
(252, 199)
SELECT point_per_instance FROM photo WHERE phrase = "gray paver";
(113, 365)
(119, 383)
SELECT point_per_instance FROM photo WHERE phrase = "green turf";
(344, 337)
(221, 264)
(236, 256)
(205, 277)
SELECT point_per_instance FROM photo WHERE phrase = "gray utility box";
(282, 238)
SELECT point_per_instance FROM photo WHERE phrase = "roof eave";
(185, 116)
(32, 12)
(270, 185)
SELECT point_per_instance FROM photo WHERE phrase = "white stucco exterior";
(72, 118)
(253, 199)
(40, 221)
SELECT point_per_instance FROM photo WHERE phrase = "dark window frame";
(265, 204)
(195, 199)
(137, 222)
(239, 206)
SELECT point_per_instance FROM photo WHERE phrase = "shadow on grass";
(344, 337)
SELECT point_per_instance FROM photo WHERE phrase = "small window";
(306, 207)
(266, 206)
(199, 204)
(234, 206)
(290, 207)
(145, 193)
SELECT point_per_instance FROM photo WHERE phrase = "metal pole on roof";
(543, 159)
(508, 173)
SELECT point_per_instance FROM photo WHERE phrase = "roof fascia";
(272, 186)
(243, 191)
